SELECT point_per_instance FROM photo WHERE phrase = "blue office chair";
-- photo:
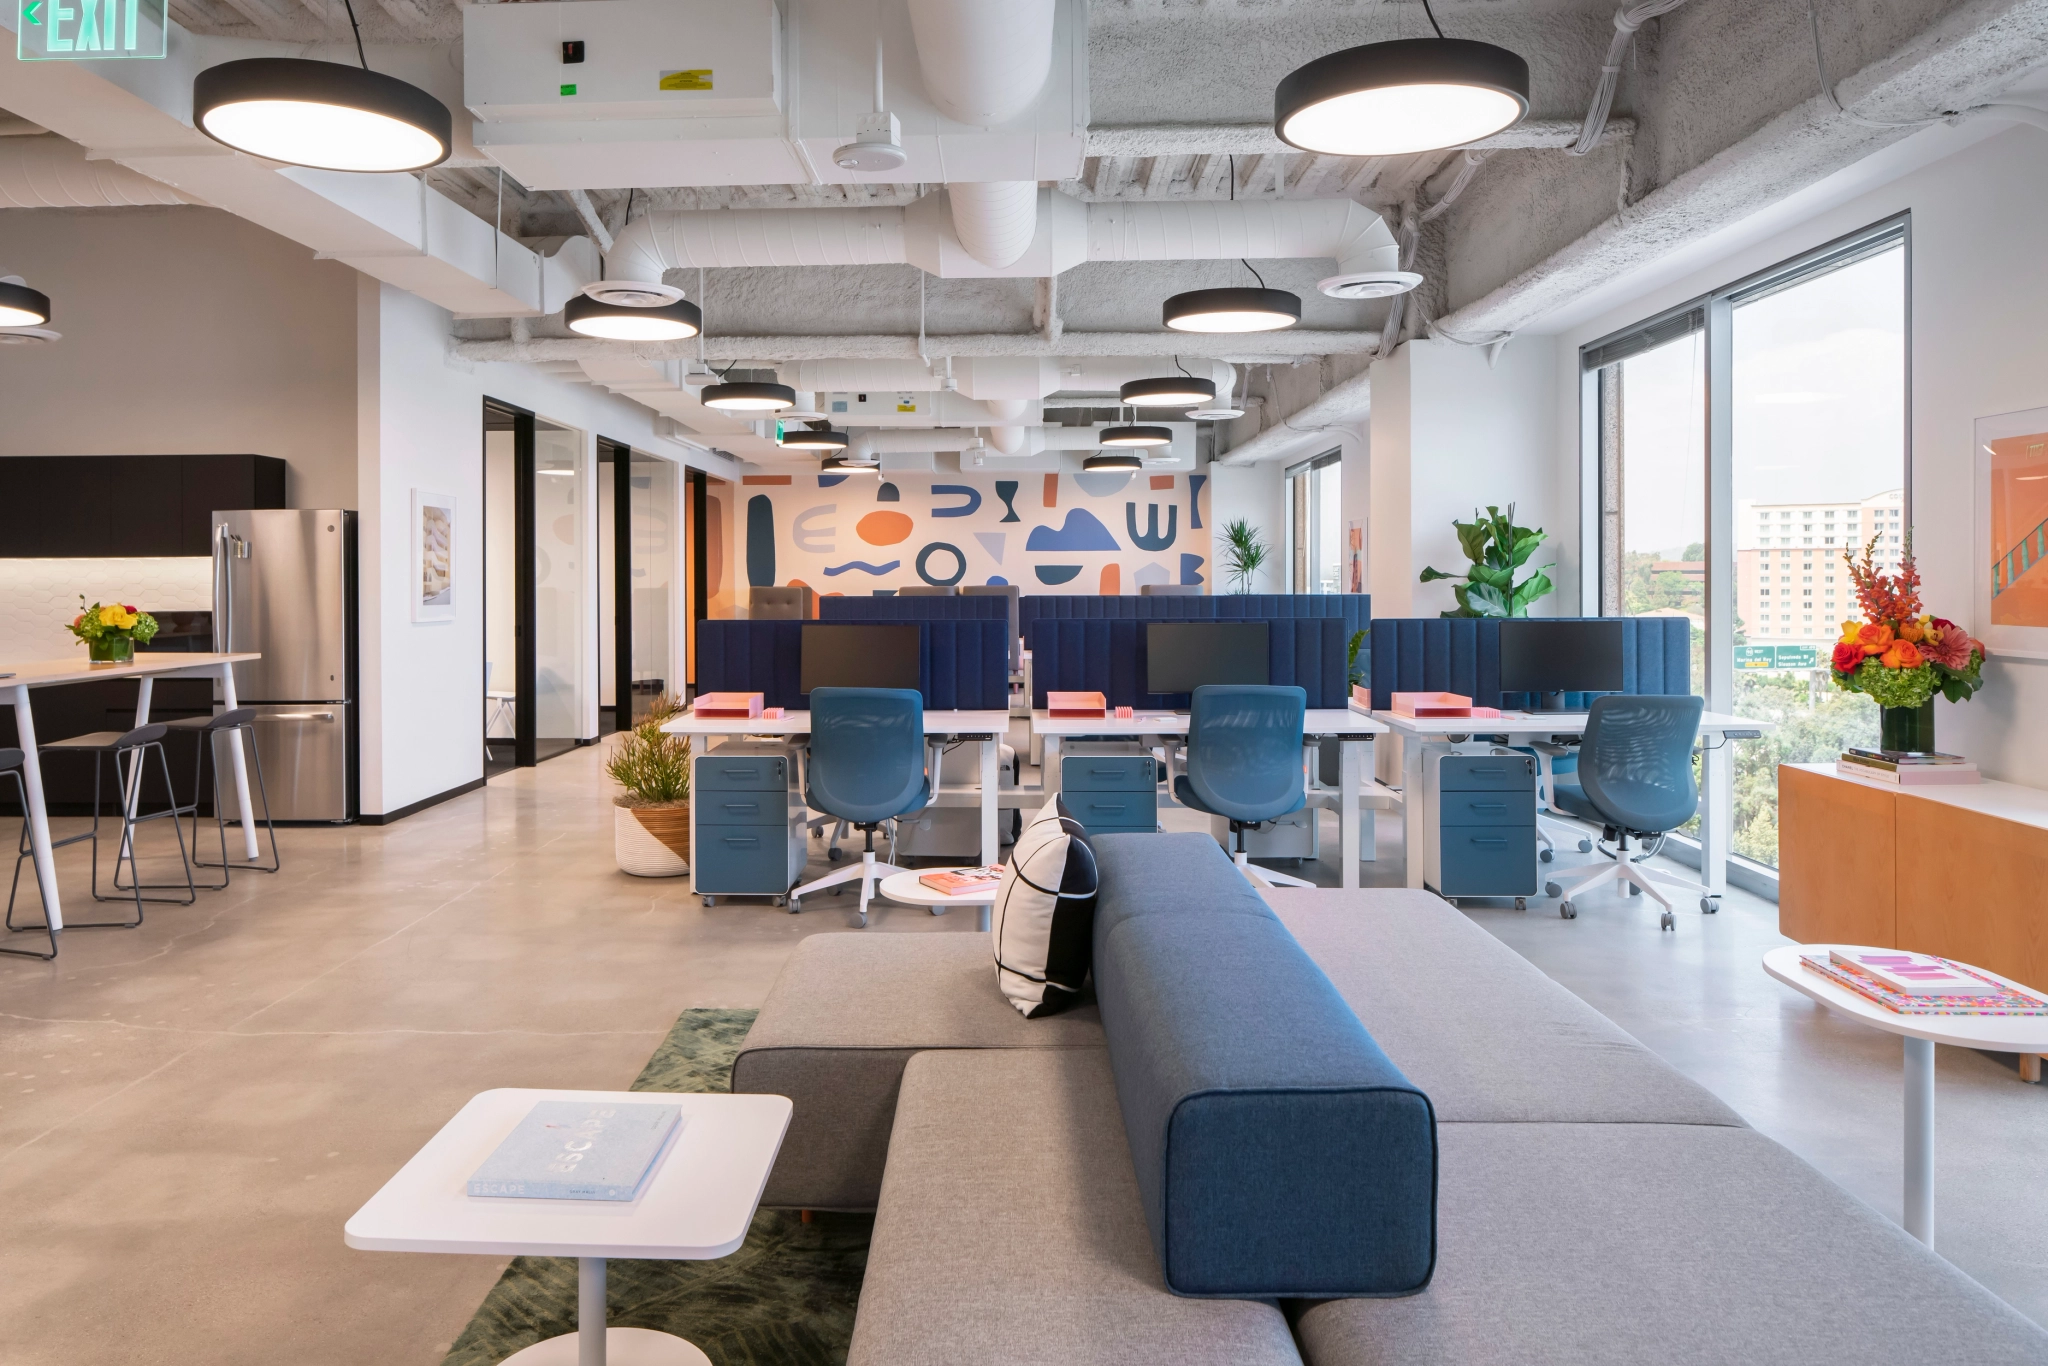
(1245, 763)
(867, 767)
(1635, 780)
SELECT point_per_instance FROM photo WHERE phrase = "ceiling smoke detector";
(28, 336)
(1216, 414)
(1369, 284)
(876, 146)
(632, 293)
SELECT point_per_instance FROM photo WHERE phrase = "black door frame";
(621, 457)
(700, 563)
(525, 640)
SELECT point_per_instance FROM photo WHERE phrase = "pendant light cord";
(349, 5)
(1432, 18)
(1240, 260)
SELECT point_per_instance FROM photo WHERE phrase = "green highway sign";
(1776, 657)
(90, 30)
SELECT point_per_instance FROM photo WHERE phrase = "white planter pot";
(639, 852)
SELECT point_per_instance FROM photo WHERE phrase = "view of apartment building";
(1790, 582)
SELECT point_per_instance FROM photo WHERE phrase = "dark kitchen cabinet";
(93, 506)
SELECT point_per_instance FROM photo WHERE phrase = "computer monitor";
(1181, 656)
(1552, 658)
(858, 657)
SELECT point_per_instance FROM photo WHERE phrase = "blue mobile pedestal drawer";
(746, 821)
(1114, 793)
(1486, 825)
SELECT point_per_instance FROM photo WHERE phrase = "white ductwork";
(995, 220)
(49, 172)
(984, 61)
(878, 441)
(1065, 233)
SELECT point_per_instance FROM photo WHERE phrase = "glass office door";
(1315, 539)
(638, 520)
(561, 534)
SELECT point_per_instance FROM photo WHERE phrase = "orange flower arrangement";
(1897, 654)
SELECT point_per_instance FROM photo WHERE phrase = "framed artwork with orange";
(2012, 533)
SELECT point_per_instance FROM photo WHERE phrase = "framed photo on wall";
(433, 556)
(2012, 533)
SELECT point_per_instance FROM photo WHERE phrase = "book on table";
(1908, 775)
(1996, 997)
(1916, 974)
(578, 1150)
(1895, 758)
(962, 881)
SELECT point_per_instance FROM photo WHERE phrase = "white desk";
(1422, 737)
(695, 1206)
(1997, 1033)
(987, 727)
(1353, 730)
(146, 669)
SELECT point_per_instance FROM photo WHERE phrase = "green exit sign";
(89, 30)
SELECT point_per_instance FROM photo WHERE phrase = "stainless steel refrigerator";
(284, 586)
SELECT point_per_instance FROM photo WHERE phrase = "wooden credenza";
(1957, 871)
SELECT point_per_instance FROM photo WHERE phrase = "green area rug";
(786, 1298)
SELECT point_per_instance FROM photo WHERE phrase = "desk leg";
(1350, 776)
(1717, 816)
(1412, 803)
(991, 846)
(241, 762)
(38, 813)
(593, 1344)
(1920, 1139)
(131, 797)
(590, 1312)
(1049, 767)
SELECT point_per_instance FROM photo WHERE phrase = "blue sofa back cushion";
(1462, 655)
(1109, 657)
(914, 609)
(1353, 609)
(1278, 1152)
(962, 665)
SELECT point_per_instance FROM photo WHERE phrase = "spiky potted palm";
(651, 817)
(1244, 553)
(1497, 548)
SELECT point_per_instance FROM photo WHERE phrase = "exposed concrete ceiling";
(1718, 114)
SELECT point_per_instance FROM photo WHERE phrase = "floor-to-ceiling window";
(1741, 523)
(1315, 535)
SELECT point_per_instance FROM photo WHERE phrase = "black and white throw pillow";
(1043, 920)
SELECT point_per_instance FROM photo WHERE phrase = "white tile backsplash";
(38, 598)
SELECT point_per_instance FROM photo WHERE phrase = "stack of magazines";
(1907, 768)
(1915, 984)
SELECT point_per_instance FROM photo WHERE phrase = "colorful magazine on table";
(962, 881)
(1998, 998)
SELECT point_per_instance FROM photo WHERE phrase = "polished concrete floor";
(189, 1111)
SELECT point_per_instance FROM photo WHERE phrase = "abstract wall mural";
(1105, 533)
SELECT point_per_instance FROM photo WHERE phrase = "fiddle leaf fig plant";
(1497, 549)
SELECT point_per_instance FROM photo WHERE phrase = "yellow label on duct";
(686, 80)
(906, 407)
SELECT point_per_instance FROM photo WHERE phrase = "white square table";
(696, 1205)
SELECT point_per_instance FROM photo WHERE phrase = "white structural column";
(1920, 1138)
(991, 844)
(38, 817)
(241, 762)
(1350, 776)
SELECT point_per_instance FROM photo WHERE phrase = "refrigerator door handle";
(302, 716)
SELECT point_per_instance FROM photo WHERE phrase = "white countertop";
(1540, 723)
(1319, 721)
(2006, 801)
(799, 723)
(41, 673)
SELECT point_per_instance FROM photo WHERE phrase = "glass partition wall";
(1742, 444)
(639, 538)
(1315, 546)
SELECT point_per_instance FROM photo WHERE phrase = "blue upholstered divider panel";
(1108, 656)
(962, 665)
(914, 609)
(1278, 1151)
(1354, 609)
(1462, 655)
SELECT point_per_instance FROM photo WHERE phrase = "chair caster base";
(1667, 921)
(834, 854)
(1567, 911)
(1545, 855)
(1634, 890)
(710, 901)
(1552, 889)
(1585, 846)
(1521, 903)
(1709, 905)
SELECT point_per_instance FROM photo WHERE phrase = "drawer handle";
(1489, 806)
(738, 772)
(1489, 839)
(1106, 806)
(1487, 772)
(1105, 773)
(737, 839)
(743, 806)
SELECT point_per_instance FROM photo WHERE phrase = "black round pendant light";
(1175, 391)
(607, 318)
(812, 439)
(748, 397)
(839, 464)
(1232, 310)
(321, 114)
(1135, 437)
(1409, 95)
(1111, 461)
(21, 306)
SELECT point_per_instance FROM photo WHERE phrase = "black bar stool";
(134, 746)
(241, 721)
(10, 767)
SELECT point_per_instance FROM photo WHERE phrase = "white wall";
(1256, 493)
(186, 331)
(421, 427)
(1453, 431)
(1979, 293)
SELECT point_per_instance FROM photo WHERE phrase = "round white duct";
(983, 61)
(756, 237)
(49, 172)
(882, 440)
(996, 219)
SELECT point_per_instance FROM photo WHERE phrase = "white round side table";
(906, 888)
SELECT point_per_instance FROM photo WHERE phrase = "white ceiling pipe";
(1184, 230)
(984, 61)
(993, 379)
(995, 220)
(49, 172)
(875, 441)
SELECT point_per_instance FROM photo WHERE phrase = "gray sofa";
(1594, 1205)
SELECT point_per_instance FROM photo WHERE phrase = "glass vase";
(1908, 729)
(111, 650)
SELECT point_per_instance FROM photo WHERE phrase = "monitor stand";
(1551, 701)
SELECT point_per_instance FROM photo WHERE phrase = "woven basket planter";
(652, 841)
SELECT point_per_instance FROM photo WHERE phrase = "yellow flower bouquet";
(111, 631)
